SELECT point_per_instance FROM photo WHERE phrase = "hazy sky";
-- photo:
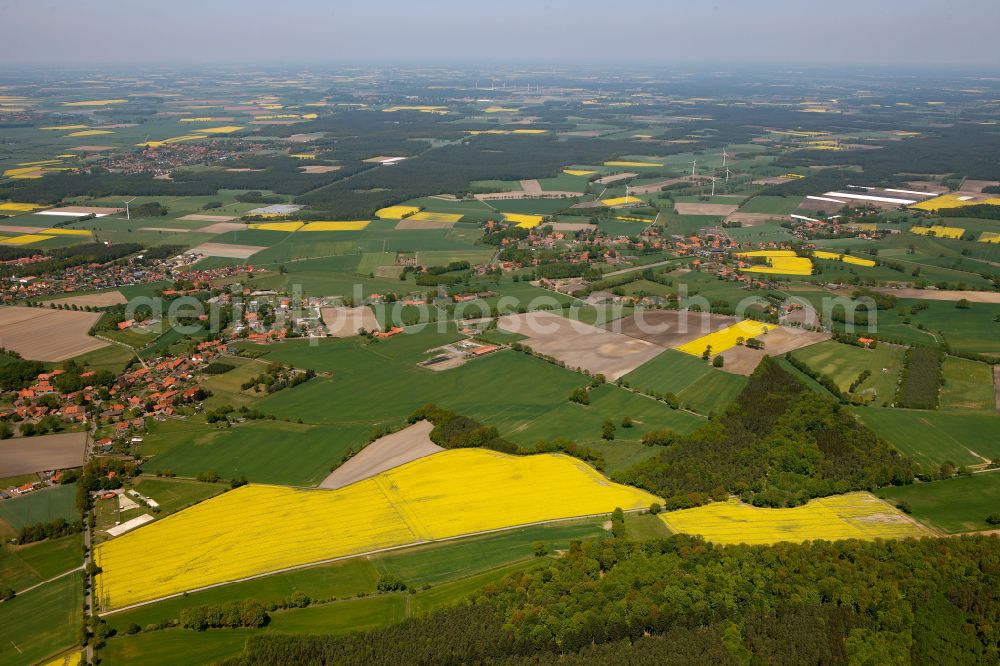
(789, 32)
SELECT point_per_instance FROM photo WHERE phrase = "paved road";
(639, 268)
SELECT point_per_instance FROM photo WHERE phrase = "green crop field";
(694, 381)
(24, 566)
(936, 437)
(844, 363)
(41, 506)
(771, 205)
(42, 622)
(954, 505)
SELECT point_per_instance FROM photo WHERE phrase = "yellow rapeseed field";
(578, 172)
(850, 516)
(303, 156)
(985, 237)
(225, 129)
(354, 225)
(63, 127)
(96, 102)
(529, 131)
(621, 201)
(60, 231)
(39, 163)
(633, 164)
(767, 253)
(725, 339)
(174, 139)
(276, 226)
(257, 529)
(24, 172)
(846, 258)
(523, 220)
(940, 231)
(427, 216)
(953, 201)
(72, 659)
(499, 109)
(782, 264)
(395, 212)
(25, 239)
(440, 110)
(90, 132)
(11, 206)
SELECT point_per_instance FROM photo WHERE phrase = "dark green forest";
(683, 601)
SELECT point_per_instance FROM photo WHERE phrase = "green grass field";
(771, 205)
(694, 381)
(935, 437)
(844, 363)
(175, 494)
(967, 385)
(41, 506)
(42, 622)
(954, 505)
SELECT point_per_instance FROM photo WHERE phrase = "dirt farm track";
(42, 334)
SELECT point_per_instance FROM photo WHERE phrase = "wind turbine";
(694, 165)
(713, 186)
(128, 215)
(728, 174)
(626, 194)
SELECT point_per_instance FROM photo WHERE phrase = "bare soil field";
(92, 149)
(931, 186)
(571, 226)
(227, 250)
(615, 177)
(197, 217)
(670, 328)
(343, 322)
(383, 454)
(705, 209)
(977, 186)
(532, 186)
(774, 180)
(937, 294)
(222, 228)
(95, 300)
(319, 168)
(580, 345)
(828, 207)
(741, 360)
(27, 455)
(167, 229)
(754, 219)
(655, 187)
(20, 230)
(80, 210)
(41, 334)
(429, 224)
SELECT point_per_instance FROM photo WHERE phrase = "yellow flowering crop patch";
(499, 109)
(939, 231)
(783, 266)
(27, 238)
(621, 201)
(63, 127)
(71, 659)
(578, 172)
(303, 156)
(225, 129)
(428, 216)
(953, 201)
(96, 102)
(725, 339)
(632, 164)
(529, 131)
(395, 212)
(24, 172)
(174, 139)
(59, 231)
(276, 226)
(850, 516)
(90, 132)
(846, 258)
(18, 207)
(355, 225)
(523, 220)
(257, 529)
(39, 163)
(985, 237)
